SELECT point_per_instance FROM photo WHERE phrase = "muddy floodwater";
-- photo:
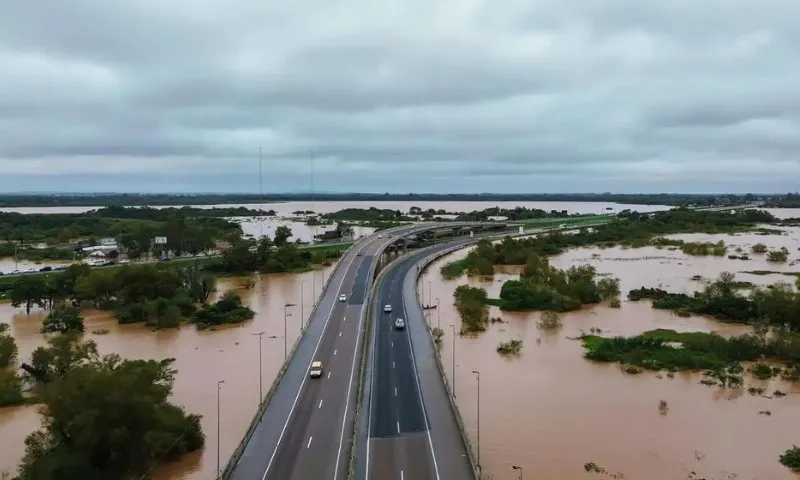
(550, 411)
(201, 358)
(285, 209)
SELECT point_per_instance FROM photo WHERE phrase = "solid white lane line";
(309, 442)
(313, 355)
(320, 403)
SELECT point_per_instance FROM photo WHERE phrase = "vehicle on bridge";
(399, 324)
(316, 369)
(387, 308)
(343, 297)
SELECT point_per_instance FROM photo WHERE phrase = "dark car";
(45, 269)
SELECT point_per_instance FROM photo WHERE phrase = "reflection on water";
(201, 358)
(550, 411)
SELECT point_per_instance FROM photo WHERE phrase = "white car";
(343, 298)
(316, 369)
(399, 324)
(380, 236)
(387, 308)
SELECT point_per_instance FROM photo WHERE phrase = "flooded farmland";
(551, 412)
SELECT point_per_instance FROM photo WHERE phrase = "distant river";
(286, 208)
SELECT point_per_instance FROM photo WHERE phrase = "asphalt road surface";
(306, 430)
(412, 432)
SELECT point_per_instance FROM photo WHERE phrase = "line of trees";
(777, 306)
(630, 228)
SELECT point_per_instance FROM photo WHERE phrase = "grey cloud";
(401, 96)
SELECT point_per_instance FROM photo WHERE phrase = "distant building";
(221, 246)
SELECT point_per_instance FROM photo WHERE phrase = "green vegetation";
(704, 248)
(370, 214)
(471, 305)
(10, 381)
(104, 417)
(720, 357)
(189, 230)
(549, 321)
(630, 228)
(759, 248)
(790, 200)
(778, 256)
(228, 309)
(777, 306)
(511, 347)
(544, 287)
(63, 319)
(791, 458)
(246, 257)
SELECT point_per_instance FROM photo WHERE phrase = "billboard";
(160, 240)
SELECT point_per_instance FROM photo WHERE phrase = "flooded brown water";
(287, 208)
(550, 411)
(201, 358)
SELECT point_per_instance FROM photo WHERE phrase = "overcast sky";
(400, 95)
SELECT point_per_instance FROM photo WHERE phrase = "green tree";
(109, 419)
(29, 290)
(61, 355)
(63, 319)
(282, 234)
(10, 381)
(8, 347)
(608, 288)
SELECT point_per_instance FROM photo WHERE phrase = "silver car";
(399, 324)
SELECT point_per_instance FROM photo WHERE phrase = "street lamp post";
(453, 328)
(517, 467)
(219, 388)
(286, 315)
(438, 315)
(478, 374)
(260, 395)
(302, 310)
(429, 292)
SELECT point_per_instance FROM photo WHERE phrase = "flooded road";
(551, 412)
(202, 358)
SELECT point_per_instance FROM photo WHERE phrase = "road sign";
(160, 240)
